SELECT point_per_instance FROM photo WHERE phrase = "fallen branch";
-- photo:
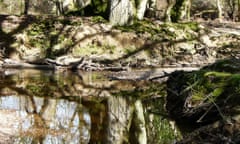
(9, 63)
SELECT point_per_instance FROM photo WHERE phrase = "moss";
(144, 26)
(91, 49)
(98, 19)
(217, 74)
(166, 31)
(175, 11)
(208, 85)
(217, 92)
(47, 35)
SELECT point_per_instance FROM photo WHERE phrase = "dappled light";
(112, 71)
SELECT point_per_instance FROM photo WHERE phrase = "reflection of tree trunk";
(120, 114)
(220, 12)
(99, 120)
(138, 126)
(26, 7)
(126, 121)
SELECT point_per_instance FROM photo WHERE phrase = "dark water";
(80, 108)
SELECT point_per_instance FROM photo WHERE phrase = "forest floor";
(90, 43)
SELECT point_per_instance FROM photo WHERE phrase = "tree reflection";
(55, 120)
(46, 107)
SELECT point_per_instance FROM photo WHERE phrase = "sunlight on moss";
(99, 19)
(217, 92)
(93, 49)
(217, 74)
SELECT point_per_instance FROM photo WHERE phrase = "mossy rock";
(204, 96)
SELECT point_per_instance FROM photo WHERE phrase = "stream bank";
(69, 40)
(90, 43)
(207, 101)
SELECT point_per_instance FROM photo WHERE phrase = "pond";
(52, 107)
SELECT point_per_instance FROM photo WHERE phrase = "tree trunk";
(238, 11)
(178, 10)
(121, 12)
(171, 4)
(59, 7)
(141, 8)
(26, 7)
(220, 12)
(185, 10)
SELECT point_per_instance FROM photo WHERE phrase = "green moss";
(175, 11)
(167, 31)
(91, 49)
(144, 26)
(129, 50)
(206, 85)
(47, 35)
(217, 74)
(98, 19)
(217, 92)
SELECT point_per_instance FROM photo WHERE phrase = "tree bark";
(121, 12)
(185, 10)
(178, 10)
(220, 12)
(59, 7)
(238, 10)
(171, 4)
(26, 7)
(141, 8)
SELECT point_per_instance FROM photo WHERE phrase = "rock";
(68, 60)
(206, 40)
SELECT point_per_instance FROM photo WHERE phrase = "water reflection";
(53, 120)
(80, 108)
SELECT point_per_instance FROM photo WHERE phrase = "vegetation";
(132, 33)
(205, 97)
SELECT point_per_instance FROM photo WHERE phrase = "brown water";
(80, 108)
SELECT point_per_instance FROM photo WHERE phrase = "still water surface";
(80, 108)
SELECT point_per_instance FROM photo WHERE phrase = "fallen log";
(9, 63)
(156, 74)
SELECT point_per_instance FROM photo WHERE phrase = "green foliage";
(208, 85)
(100, 6)
(165, 131)
(96, 8)
(142, 27)
(98, 19)
(175, 11)
(217, 74)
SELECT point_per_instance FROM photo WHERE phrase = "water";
(79, 108)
